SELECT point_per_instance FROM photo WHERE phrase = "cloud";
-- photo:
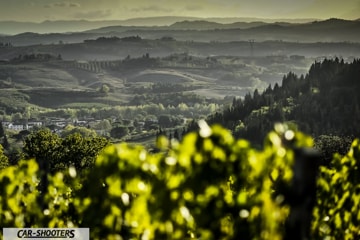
(74, 5)
(62, 5)
(193, 8)
(93, 14)
(152, 8)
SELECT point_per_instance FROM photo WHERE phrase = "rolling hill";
(13, 27)
(47, 80)
(331, 30)
(116, 49)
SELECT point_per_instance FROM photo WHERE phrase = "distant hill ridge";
(330, 30)
(13, 27)
(205, 25)
(210, 25)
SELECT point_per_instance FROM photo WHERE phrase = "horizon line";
(165, 16)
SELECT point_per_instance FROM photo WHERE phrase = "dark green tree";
(80, 151)
(45, 147)
(83, 131)
(119, 131)
(2, 131)
(5, 143)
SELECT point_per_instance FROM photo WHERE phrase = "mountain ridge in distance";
(330, 30)
(63, 26)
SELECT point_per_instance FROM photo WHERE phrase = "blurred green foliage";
(337, 215)
(4, 162)
(208, 186)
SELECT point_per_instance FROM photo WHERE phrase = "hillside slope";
(325, 101)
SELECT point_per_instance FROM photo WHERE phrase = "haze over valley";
(171, 61)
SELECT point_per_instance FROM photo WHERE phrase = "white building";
(16, 127)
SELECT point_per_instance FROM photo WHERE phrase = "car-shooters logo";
(46, 233)
(55, 233)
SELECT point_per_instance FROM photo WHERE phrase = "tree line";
(324, 103)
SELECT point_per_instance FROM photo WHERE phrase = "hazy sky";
(40, 10)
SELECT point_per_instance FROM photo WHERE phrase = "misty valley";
(117, 77)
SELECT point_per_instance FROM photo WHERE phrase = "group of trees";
(163, 88)
(323, 102)
(172, 99)
(77, 147)
(114, 39)
(37, 57)
(6, 44)
(180, 60)
(139, 112)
